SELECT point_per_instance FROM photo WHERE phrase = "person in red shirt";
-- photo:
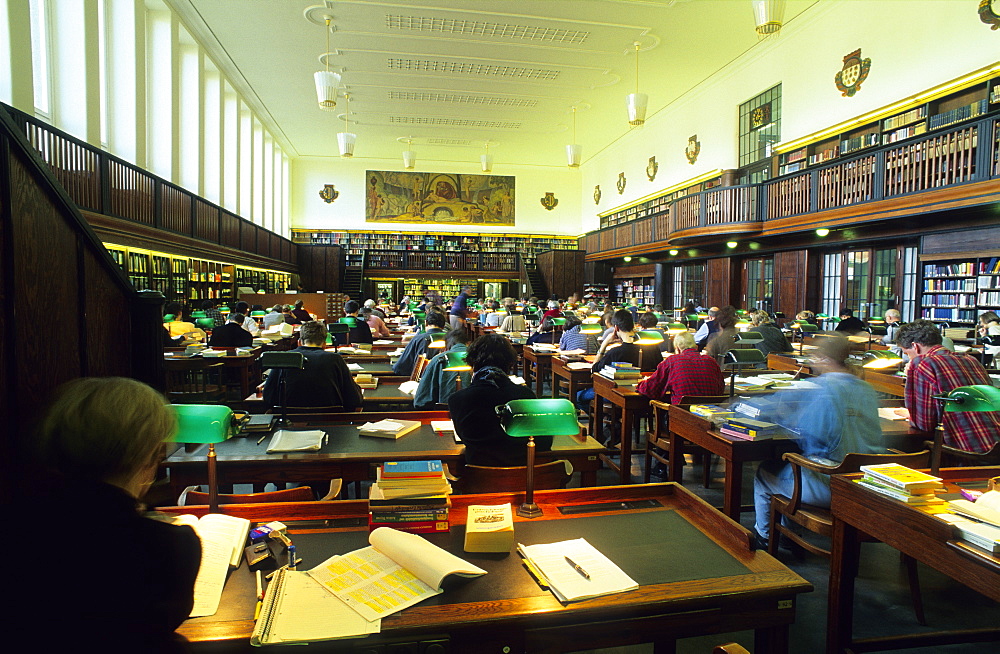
(685, 373)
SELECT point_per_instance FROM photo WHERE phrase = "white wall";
(310, 174)
(913, 46)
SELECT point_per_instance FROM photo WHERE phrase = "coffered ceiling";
(454, 74)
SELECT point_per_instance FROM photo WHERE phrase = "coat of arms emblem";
(854, 72)
(987, 15)
(652, 168)
(329, 193)
(597, 194)
(620, 184)
(549, 201)
(693, 149)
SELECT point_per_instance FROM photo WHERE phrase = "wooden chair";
(418, 367)
(191, 496)
(659, 436)
(193, 381)
(819, 520)
(951, 457)
(730, 648)
(486, 479)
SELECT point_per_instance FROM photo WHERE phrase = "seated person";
(839, 417)
(208, 306)
(491, 317)
(177, 326)
(546, 333)
(707, 329)
(687, 372)
(249, 323)
(553, 310)
(370, 304)
(436, 383)
(324, 381)
(275, 317)
(97, 448)
(360, 332)
(514, 320)
(232, 333)
(648, 321)
(893, 321)
(618, 347)
(572, 339)
(989, 325)
(774, 339)
(376, 324)
(473, 409)
(418, 344)
(848, 323)
(299, 313)
(934, 370)
(722, 341)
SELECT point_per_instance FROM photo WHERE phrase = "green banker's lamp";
(204, 323)
(168, 317)
(742, 325)
(457, 364)
(980, 397)
(530, 418)
(224, 310)
(437, 341)
(880, 359)
(257, 314)
(647, 337)
(875, 330)
(751, 338)
(674, 328)
(558, 324)
(737, 358)
(334, 329)
(420, 317)
(803, 328)
(591, 328)
(205, 423)
(198, 314)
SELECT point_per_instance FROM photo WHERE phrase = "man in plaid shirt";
(933, 370)
(685, 373)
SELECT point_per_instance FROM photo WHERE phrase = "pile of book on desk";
(748, 429)
(366, 380)
(410, 496)
(977, 519)
(901, 483)
(713, 412)
(620, 370)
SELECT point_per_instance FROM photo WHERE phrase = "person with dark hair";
(177, 326)
(218, 320)
(360, 332)
(97, 447)
(436, 383)
(473, 409)
(722, 341)
(546, 333)
(618, 347)
(249, 323)
(435, 323)
(324, 381)
(989, 325)
(848, 323)
(572, 339)
(648, 321)
(299, 313)
(232, 333)
(934, 371)
(837, 417)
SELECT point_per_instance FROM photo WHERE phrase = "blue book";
(412, 469)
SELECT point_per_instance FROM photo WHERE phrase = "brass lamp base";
(527, 510)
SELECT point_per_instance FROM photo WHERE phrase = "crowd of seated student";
(325, 381)
(232, 334)
(114, 573)
(436, 383)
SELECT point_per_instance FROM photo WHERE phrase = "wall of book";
(447, 288)
(639, 288)
(596, 292)
(956, 291)
(962, 105)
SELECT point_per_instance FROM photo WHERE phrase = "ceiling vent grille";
(449, 142)
(454, 122)
(460, 98)
(485, 28)
(482, 70)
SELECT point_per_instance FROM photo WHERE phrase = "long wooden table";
(539, 363)
(575, 378)
(696, 571)
(632, 406)
(859, 512)
(348, 455)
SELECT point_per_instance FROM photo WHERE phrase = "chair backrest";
(301, 494)
(418, 367)
(486, 479)
(689, 400)
(853, 461)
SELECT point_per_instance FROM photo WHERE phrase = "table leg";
(733, 494)
(676, 457)
(625, 464)
(771, 640)
(526, 370)
(845, 554)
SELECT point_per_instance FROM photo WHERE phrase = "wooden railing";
(104, 184)
(964, 154)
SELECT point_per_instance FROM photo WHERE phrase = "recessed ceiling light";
(731, 244)
(626, 259)
(673, 253)
(822, 231)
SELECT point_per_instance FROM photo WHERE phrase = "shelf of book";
(638, 288)
(659, 205)
(959, 290)
(596, 292)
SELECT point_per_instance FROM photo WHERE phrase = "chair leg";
(706, 470)
(649, 463)
(914, 578)
(772, 530)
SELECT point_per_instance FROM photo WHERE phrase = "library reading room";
(455, 326)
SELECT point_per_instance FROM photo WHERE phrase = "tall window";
(689, 283)
(760, 130)
(831, 284)
(758, 282)
(41, 79)
(870, 281)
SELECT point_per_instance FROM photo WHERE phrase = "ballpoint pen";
(586, 575)
(261, 439)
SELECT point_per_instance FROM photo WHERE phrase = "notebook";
(576, 570)
(296, 441)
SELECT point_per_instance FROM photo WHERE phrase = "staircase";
(352, 280)
(536, 284)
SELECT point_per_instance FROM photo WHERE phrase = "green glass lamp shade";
(676, 328)
(350, 321)
(257, 314)
(692, 316)
(877, 330)
(741, 312)
(338, 328)
(805, 327)
(541, 417)
(419, 315)
(591, 328)
(168, 317)
(202, 423)
(822, 316)
(456, 362)
(877, 359)
(225, 310)
(834, 319)
(558, 322)
(703, 316)
(329, 338)
(649, 337)
(198, 314)
(204, 323)
(745, 355)
(973, 398)
(750, 337)
(742, 324)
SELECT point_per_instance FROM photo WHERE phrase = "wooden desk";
(246, 366)
(378, 369)
(686, 426)
(348, 455)
(711, 582)
(885, 383)
(632, 405)
(542, 363)
(787, 363)
(860, 512)
(576, 379)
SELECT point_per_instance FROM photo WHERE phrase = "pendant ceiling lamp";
(768, 16)
(487, 159)
(346, 139)
(409, 156)
(327, 81)
(636, 102)
(574, 151)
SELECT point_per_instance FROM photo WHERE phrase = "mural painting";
(438, 198)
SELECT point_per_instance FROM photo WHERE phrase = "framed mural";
(438, 198)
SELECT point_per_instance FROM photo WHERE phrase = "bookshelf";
(596, 292)
(447, 288)
(659, 205)
(639, 288)
(958, 290)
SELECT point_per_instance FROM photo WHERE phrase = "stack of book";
(620, 370)
(410, 496)
(902, 483)
(747, 429)
(713, 412)
(366, 380)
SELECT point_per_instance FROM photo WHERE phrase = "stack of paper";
(296, 441)
(576, 570)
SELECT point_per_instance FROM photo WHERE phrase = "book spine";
(408, 516)
(430, 527)
(902, 496)
(401, 504)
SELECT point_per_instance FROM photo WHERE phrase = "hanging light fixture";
(768, 16)
(346, 139)
(636, 102)
(487, 159)
(409, 156)
(327, 81)
(574, 151)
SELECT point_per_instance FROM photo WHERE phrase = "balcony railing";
(104, 184)
(921, 164)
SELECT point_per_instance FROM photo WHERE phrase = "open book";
(397, 571)
(222, 540)
(985, 509)
(576, 570)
